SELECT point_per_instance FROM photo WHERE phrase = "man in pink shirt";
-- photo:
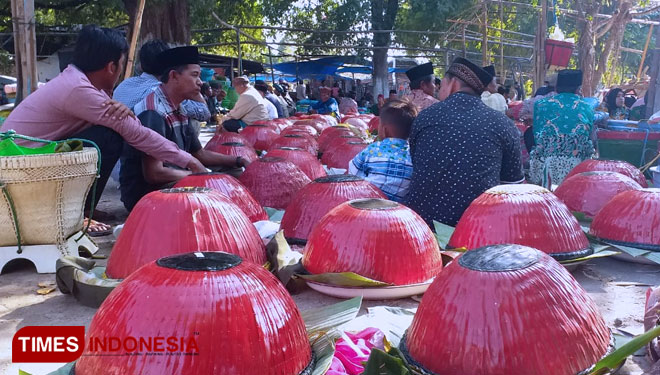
(76, 104)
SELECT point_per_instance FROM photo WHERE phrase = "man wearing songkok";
(159, 111)
(490, 96)
(132, 90)
(76, 104)
(422, 84)
(250, 107)
(327, 105)
(460, 147)
(562, 129)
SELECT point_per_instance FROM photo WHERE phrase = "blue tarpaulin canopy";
(366, 70)
(319, 68)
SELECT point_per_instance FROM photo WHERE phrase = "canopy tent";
(366, 70)
(215, 61)
(318, 68)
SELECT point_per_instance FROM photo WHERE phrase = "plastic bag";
(9, 148)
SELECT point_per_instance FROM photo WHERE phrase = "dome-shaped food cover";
(317, 199)
(342, 140)
(229, 186)
(303, 141)
(198, 313)
(225, 137)
(304, 129)
(236, 149)
(523, 214)
(374, 123)
(271, 124)
(273, 181)
(318, 124)
(619, 166)
(339, 157)
(307, 163)
(181, 220)
(357, 122)
(375, 238)
(330, 133)
(631, 218)
(259, 136)
(503, 310)
(588, 192)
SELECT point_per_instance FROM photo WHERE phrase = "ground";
(617, 287)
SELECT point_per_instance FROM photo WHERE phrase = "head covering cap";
(471, 74)
(242, 79)
(490, 69)
(569, 78)
(325, 89)
(178, 56)
(419, 71)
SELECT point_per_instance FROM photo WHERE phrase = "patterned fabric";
(562, 133)
(348, 105)
(466, 75)
(421, 99)
(133, 90)
(329, 107)
(621, 113)
(459, 149)
(387, 165)
(527, 111)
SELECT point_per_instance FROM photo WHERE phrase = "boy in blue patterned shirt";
(386, 163)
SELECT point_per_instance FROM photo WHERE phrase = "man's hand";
(116, 110)
(196, 166)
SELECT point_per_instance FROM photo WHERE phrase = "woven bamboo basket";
(48, 193)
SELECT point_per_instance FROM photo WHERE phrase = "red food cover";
(588, 192)
(303, 141)
(212, 314)
(277, 127)
(317, 199)
(307, 163)
(619, 166)
(374, 123)
(181, 220)
(229, 186)
(523, 214)
(339, 157)
(342, 140)
(375, 238)
(330, 133)
(224, 137)
(236, 149)
(503, 310)
(631, 218)
(304, 129)
(273, 181)
(259, 136)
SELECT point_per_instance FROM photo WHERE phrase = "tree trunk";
(587, 50)
(383, 14)
(163, 19)
(619, 21)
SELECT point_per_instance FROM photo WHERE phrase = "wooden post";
(540, 46)
(464, 44)
(501, 9)
(240, 53)
(272, 71)
(135, 33)
(485, 60)
(25, 49)
(646, 48)
(653, 104)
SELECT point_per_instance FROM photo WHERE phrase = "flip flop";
(97, 229)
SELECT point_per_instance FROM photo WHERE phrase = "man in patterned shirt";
(422, 83)
(386, 163)
(133, 90)
(159, 111)
(460, 147)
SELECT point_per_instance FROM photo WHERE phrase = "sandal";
(97, 229)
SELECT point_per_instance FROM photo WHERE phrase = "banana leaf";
(613, 360)
(344, 279)
(274, 214)
(381, 363)
(581, 217)
(285, 262)
(443, 233)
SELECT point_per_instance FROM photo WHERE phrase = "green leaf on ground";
(344, 279)
(613, 360)
(443, 233)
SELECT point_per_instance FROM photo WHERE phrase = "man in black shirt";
(460, 147)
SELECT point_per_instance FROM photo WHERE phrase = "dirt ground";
(617, 287)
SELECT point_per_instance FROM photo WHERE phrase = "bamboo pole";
(501, 9)
(137, 25)
(24, 47)
(646, 48)
(485, 59)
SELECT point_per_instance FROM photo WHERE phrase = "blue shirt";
(133, 90)
(387, 165)
(328, 107)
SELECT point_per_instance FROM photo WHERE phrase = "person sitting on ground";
(327, 105)
(638, 109)
(562, 132)
(211, 101)
(75, 104)
(140, 173)
(393, 95)
(249, 108)
(380, 103)
(220, 97)
(283, 97)
(422, 84)
(386, 163)
(490, 96)
(616, 107)
(460, 147)
(527, 110)
(279, 111)
(133, 90)
(270, 106)
(301, 90)
(348, 104)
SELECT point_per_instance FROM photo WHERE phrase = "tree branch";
(645, 12)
